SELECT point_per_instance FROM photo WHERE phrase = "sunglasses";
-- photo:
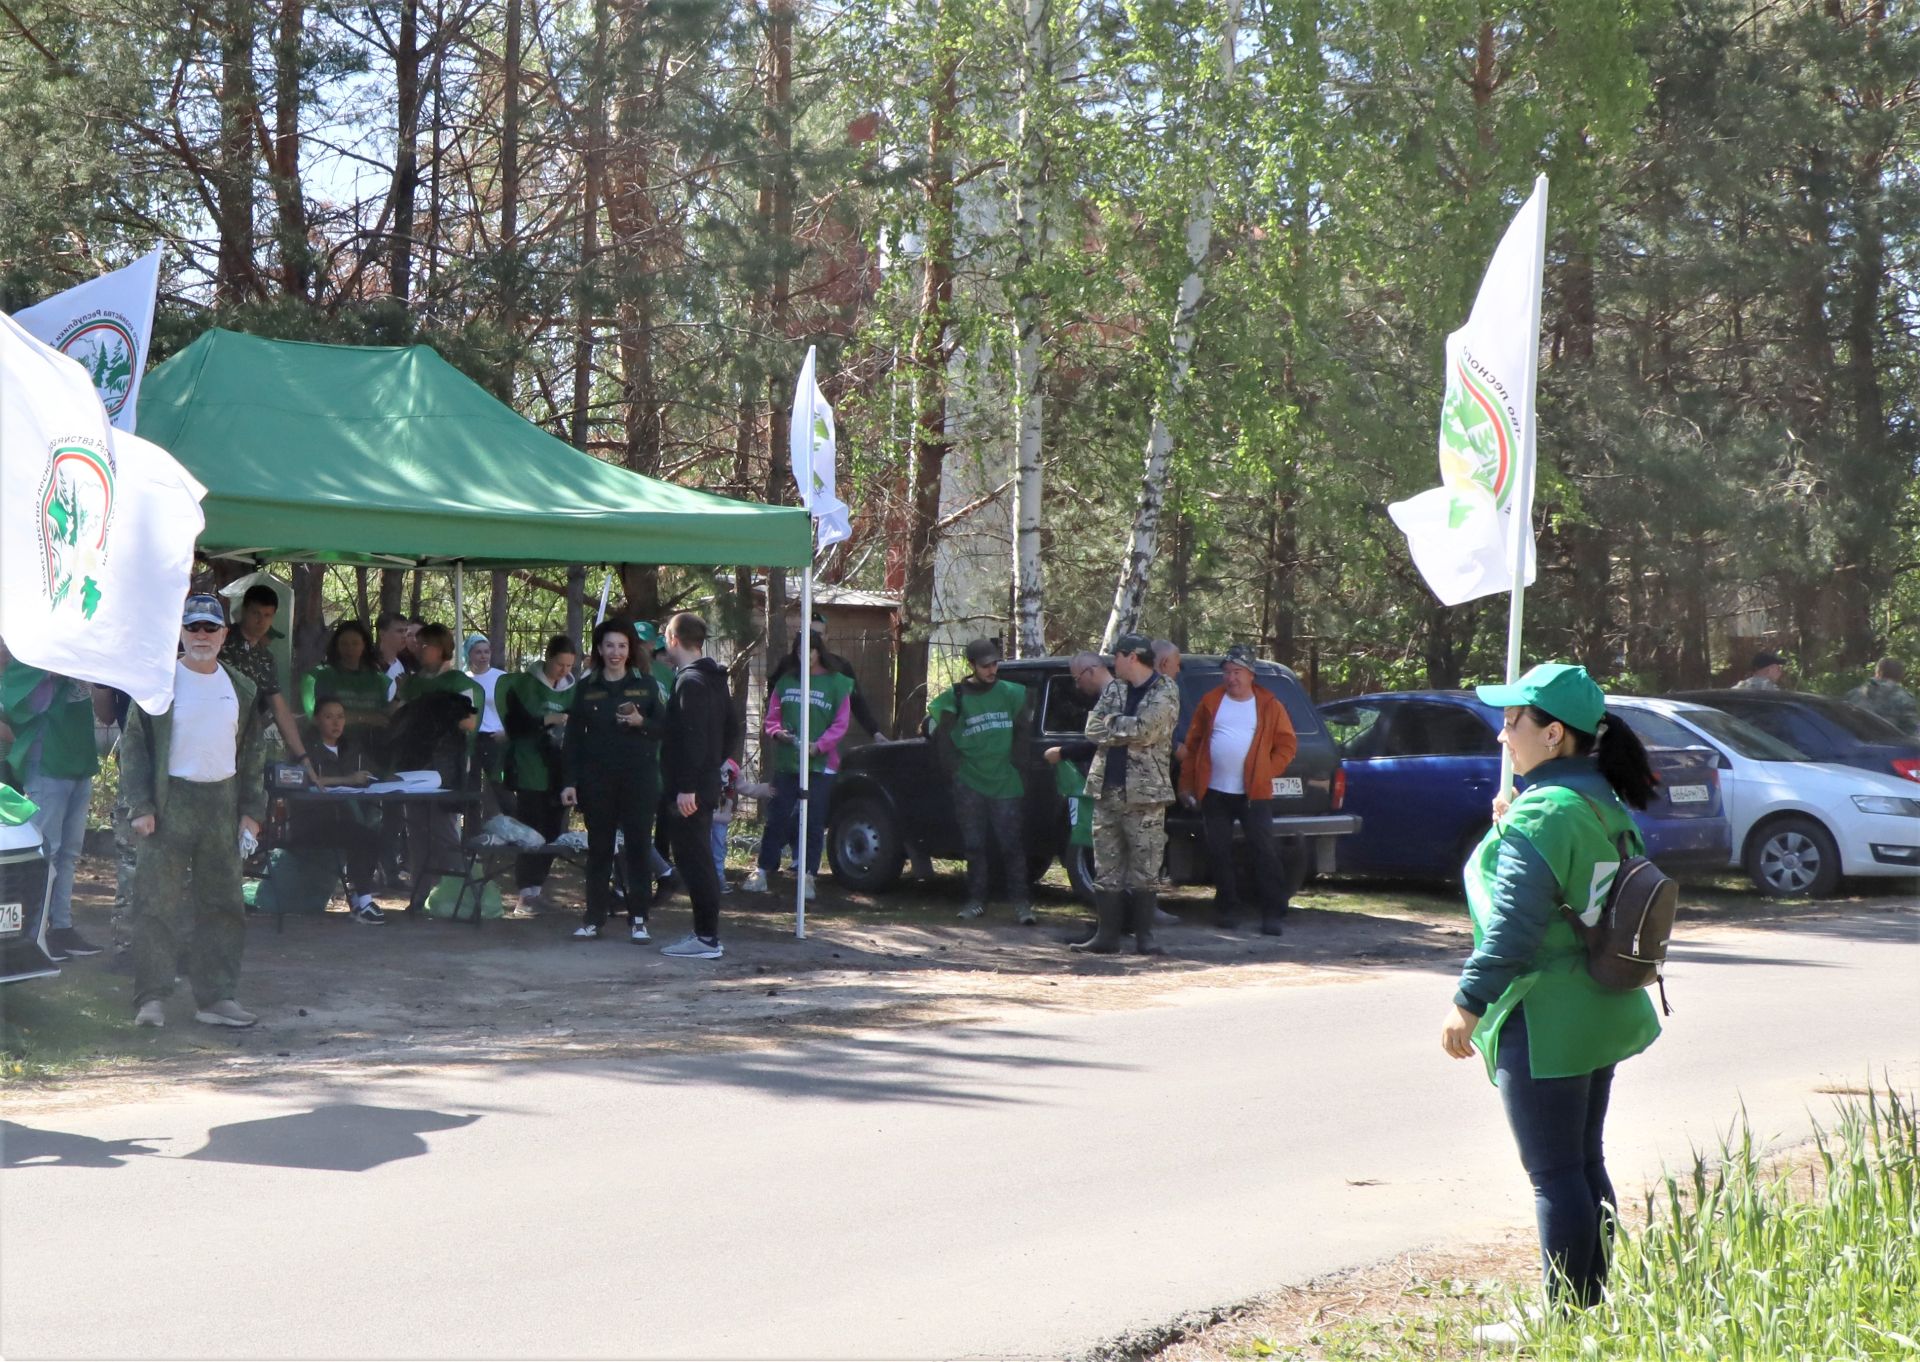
(202, 627)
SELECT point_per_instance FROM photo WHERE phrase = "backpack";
(1627, 946)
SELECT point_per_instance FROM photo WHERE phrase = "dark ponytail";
(1618, 754)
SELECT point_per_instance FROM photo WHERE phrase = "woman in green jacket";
(1549, 1034)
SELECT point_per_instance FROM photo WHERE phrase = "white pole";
(606, 585)
(806, 741)
(1520, 523)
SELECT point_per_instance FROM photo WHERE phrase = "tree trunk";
(510, 190)
(576, 603)
(497, 616)
(393, 588)
(776, 206)
(930, 439)
(1130, 593)
(309, 641)
(296, 254)
(233, 184)
(406, 159)
(1029, 393)
(360, 595)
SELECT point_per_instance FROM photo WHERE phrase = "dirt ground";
(332, 991)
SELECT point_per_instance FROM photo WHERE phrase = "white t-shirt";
(206, 726)
(1229, 743)
(490, 721)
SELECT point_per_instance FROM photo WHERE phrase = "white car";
(23, 905)
(1798, 825)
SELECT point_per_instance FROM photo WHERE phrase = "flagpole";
(1520, 523)
(606, 585)
(807, 661)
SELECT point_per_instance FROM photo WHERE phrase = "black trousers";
(1217, 814)
(618, 801)
(339, 830)
(542, 811)
(692, 836)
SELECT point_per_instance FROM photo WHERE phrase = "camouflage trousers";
(187, 885)
(1129, 843)
(126, 850)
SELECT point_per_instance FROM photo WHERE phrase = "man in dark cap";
(979, 730)
(1132, 783)
(1765, 673)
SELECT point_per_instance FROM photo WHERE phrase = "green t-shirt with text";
(829, 690)
(983, 723)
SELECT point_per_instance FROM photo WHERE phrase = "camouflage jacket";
(1147, 734)
(1757, 683)
(1892, 702)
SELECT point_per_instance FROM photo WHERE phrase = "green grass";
(1734, 1262)
(55, 1028)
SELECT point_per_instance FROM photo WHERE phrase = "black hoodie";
(701, 731)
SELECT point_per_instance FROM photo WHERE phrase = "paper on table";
(378, 787)
(418, 780)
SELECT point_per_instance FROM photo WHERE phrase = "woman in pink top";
(827, 698)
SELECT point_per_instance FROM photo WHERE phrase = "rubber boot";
(1110, 915)
(1141, 904)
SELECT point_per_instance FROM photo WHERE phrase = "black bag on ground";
(1627, 946)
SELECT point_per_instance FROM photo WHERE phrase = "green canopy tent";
(390, 457)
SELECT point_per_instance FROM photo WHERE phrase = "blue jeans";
(1557, 1123)
(783, 819)
(62, 825)
(720, 850)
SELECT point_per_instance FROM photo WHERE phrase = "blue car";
(1422, 768)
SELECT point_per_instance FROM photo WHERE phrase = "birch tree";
(1143, 539)
(1029, 393)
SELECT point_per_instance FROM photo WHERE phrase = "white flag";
(105, 324)
(1460, 533)
(811, 443)
(96, 530)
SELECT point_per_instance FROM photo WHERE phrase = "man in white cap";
(192, 779)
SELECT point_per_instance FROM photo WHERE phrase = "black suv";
(1822, 727)
(890, 797)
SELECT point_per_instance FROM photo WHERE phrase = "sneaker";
(1510, 1332)
(694, 948)
(666, 883)
(587, 931)
(369, 912)
(809, 889)
(152, 1012)
(640, 933)
(1023, 914)
(755, 882)
(528, 904)
(52, 947)
(974, 910)
(226, 1012)
(71, 942)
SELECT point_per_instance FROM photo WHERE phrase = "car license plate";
(1287, 787)
(1688, 794)
(13, 918)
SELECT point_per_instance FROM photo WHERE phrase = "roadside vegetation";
(1737, 1258)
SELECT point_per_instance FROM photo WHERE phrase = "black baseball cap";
(1767, 659)
(982, 651)
(1139, 645)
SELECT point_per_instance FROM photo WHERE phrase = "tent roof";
(391, 457)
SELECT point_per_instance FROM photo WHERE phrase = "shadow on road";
(344, 1137)
(967, 1066)
(27, 1147)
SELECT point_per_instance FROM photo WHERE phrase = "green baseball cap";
(645, 631)
(1560, 688)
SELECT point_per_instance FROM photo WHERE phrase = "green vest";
(454, 681)
(361, 692)
(983, 736)
(1574, 1026)
(1071, 785)
(63, 730)
(533, 760)
(829, 691)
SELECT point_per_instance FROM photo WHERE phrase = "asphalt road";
(1010, 1190)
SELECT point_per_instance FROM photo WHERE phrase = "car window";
(1863, 724)
(1420, 729)
(1066, 709)
(1300, 709)
(1656, 730)
(1352, 727)
(1777, 721)
(1740, 736)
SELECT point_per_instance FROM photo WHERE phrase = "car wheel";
(1793, 858)
(864, 846)
(1080, 871)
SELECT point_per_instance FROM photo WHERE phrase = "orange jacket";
(1271, 752)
